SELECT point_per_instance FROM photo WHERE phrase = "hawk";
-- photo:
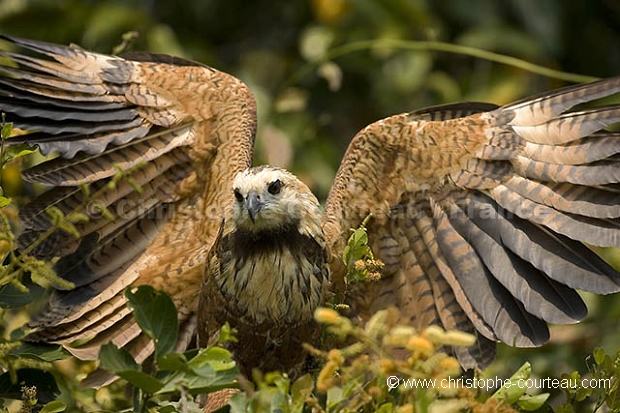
(480, 213)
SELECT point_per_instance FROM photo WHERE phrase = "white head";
(270, 198)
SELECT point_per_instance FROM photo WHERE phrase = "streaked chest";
(280, 278)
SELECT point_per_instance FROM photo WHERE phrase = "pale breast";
(280, 279)
(279, 287)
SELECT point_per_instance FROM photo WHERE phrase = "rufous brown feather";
(479, 212)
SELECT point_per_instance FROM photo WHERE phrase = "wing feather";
(510, 322)
(178, 130)
(451, 312)
(503, 199)
(592, 148)
(448, 274)
(589, 201)
(542, 297)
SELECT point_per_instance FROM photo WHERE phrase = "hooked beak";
(253, 204)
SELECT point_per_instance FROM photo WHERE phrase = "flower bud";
(326, 316)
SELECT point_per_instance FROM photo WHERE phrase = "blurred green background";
(310, 108)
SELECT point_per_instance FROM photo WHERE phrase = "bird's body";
(479, 212)
(267, 272)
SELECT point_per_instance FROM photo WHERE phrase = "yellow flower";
(326, 316)
(325, 380)
(387, 366)
(421, 344)
(335, 356)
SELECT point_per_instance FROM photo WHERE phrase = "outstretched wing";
(178, 130)
(480, 218)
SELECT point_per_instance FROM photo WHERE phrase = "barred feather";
(479, 212)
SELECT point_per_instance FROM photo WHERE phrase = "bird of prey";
(480, 213)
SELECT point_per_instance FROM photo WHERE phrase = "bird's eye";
(238, 195)
(274, 187)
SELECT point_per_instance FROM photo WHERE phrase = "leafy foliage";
(8, 154)
(162, 329)
(39, 393)
(605, 374)
(358, 257)
(174, 376)
(362, 375)
(19, 269)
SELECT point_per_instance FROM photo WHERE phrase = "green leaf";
(238, 403)
(530, 403)
(216, 357)
(142, 380)
(157, 316)
(510, 392)
(212, 369)
(54, 407)
(185, 406)
(357, 249)
(226, 334)
(6, 128)
(583, 393)
(204, 373)
(207, 370)
(599, 355)
(15, 152)
(335, 396)
(120, 362)
(360, 237)
(302, 387)
(167, 407)
(279, 401)
(200, 385)
(357, 246)
(173, 362)
(346, 255)
(172, 382)
(11, 296)
(606, 365)
(45, 352)
(4, 201)
(47, 390)
(116, 360)
(385, 408)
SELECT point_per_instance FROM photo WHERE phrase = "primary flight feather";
(479, 213)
